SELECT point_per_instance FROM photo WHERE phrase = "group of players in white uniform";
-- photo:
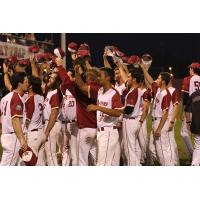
(92, 116)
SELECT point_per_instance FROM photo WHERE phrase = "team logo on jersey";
(18, 107)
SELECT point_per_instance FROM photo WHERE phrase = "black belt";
(103, 128)
(71, 121)
(36, 129)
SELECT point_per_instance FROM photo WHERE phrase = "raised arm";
(147, 76)
(33, 66)
(6, 78)
(123, 72)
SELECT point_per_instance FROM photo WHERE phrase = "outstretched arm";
(147, 76)
(6, 78)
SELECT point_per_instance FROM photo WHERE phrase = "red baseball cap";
(125, 59)
(28, 156)
(134, 59)
(72, 47)
(84, 50)
(194, 65)
(59, 53)
(12, 59)
(34, 49)
(23, 62)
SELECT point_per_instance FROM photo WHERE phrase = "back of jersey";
(194, 84)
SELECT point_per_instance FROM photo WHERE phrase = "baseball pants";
(107, 142)
(142, 143)
(35, 139)
(83, 148)
(186, 135)
(11, 146)
(50, 145)
(163, 144)
(151, 150)
(196, 152)
(131, 129)
(72, 129)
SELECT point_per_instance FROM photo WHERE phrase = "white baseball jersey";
(120, 88)
(191, 84)
(110, 99)
(175, 99)
(161, 101)
(34, 111)
(12, 105)
(146, 96)
(68, 107)
(134, 99)
(52, 101)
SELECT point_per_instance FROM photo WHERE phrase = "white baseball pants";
(196, 152)
(107, 142)
(50, 145)
(83, 148)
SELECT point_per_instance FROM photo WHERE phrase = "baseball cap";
(134, 59)
(59, 53)
(119, 53)
(72, 47)
(84, 50)
(28, 156)
(23, 62)
(194, 65)
(34, 49)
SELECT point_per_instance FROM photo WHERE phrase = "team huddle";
(84, 115)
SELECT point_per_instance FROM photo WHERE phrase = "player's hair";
(196, 71)
(35, 82)
(136, 73)
(165, 76)
(109, 72)
(17, 78)
(94, 74)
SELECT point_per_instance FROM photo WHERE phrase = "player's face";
(102, 78)
(191, 72)
(159, 80)
(73, 56)
(117, 75)
(52, 79)
(25, 85)
(130, 80)
(71, 76)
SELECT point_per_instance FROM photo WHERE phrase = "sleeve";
(132, 98)
(186, 84)
(55, 101)
(116, 102)
(93, 91)
(166, 102)
(30, 107)
(147, 95)
(154, 88)
(175, 97)
(16, 106)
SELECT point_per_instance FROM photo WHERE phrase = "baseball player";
(142, 142)
(131, 119)
(162, 99)
(86, 120)
(13, 120)
(51, 117)
(190, 85)
(71, 129)
(34, 118)
(108, 105)
(173, 113)
(192, 102)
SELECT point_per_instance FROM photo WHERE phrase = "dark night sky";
(176, 50)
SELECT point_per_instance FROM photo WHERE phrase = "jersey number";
(71, 104)
(4, 109)
(197, 85)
